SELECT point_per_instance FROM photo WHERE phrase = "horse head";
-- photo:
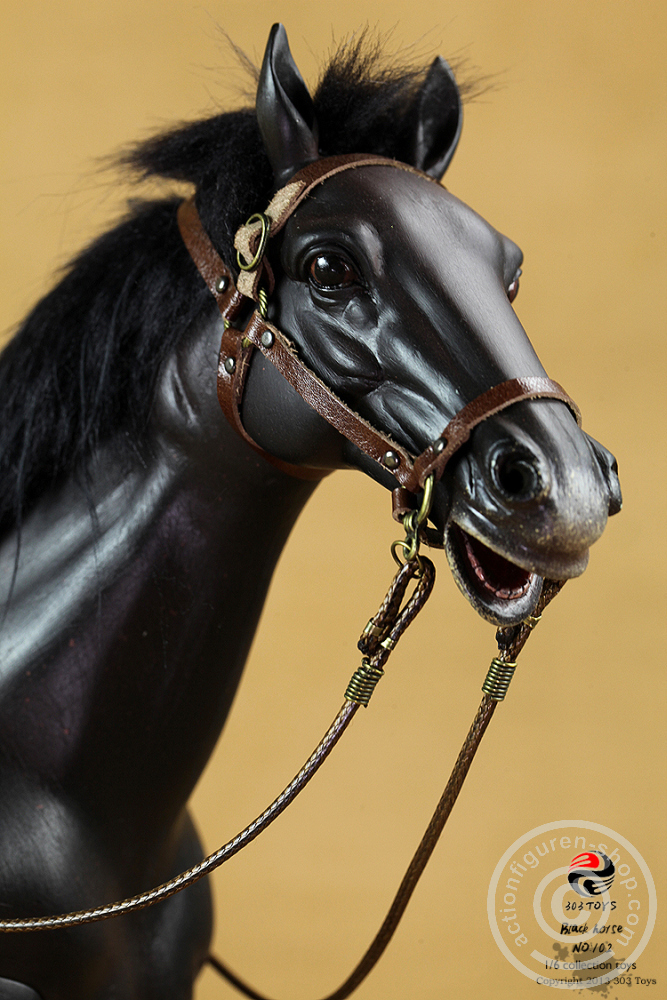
(399, 297)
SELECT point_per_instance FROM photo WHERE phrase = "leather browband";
(238, 345)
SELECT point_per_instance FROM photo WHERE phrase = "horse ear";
(438, 120)
(285, 110)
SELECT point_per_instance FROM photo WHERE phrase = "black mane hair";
(83, 366)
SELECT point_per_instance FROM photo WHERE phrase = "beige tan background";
(567, 156)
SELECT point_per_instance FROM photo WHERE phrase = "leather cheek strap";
(281, 352)
(235, 350)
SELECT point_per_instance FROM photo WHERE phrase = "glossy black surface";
(132, 610)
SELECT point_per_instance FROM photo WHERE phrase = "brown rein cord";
(377, 643)
(510, 643)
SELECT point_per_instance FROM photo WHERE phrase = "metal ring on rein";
(412, 522)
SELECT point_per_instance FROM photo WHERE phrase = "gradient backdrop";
(566, 155)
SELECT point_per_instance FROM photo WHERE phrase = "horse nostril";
(516, 475)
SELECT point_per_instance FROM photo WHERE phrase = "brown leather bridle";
(238, 345)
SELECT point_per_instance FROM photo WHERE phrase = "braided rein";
(376, 644)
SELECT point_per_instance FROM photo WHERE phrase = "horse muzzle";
(525, 500)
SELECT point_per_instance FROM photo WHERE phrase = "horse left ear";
(438, 118)
(285, 110)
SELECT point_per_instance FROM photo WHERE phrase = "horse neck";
(134, 607)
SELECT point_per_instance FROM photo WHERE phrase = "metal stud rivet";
(391, 460)
(222, 284)
(267, 339)
(229, 365)
(438, 446)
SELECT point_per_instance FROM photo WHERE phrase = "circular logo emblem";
(591, 873)
(572, 905)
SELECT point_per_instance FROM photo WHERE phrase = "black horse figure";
(140, 531)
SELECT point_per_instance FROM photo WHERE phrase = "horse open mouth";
(498, 589)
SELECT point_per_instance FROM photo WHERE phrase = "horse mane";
(83, 366)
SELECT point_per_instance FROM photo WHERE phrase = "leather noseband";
(259, 334)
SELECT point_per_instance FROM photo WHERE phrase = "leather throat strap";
(237, 346)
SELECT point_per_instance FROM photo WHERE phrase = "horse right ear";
(285, 110)
(438, 118)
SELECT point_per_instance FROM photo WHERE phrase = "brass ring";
(410, 551)
(266, 224)
(427, 499)
(400, 543)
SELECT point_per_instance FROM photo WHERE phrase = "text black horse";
(140, 531)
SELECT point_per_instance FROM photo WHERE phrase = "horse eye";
(513, 289)
(332, 271)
